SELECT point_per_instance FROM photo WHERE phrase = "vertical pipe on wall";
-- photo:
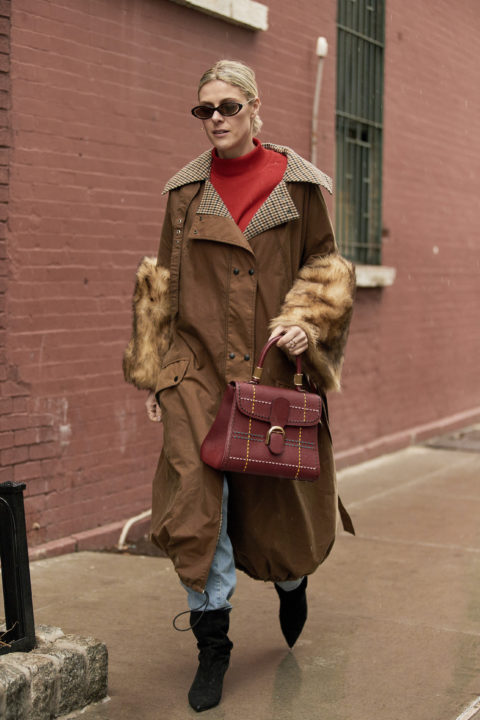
(321, 52)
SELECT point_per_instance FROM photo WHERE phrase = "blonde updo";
(237, 74)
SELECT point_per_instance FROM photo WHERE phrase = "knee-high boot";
(213, 657)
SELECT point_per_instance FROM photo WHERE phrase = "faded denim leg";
(289, 585)
(222, 577)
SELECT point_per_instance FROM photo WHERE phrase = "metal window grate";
(359, 117)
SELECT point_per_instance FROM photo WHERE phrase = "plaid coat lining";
(277, 209)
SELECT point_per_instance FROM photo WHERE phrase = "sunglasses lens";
(202, 112)
(229, 108)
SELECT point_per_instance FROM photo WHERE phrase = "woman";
(246, 251)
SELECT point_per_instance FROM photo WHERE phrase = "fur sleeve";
(151, 325)
(320, 302)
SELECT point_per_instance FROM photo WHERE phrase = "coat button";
(231, 356)
(246, 357)
(179, 232)
(236, 271)
(251, 271)
(179, 221)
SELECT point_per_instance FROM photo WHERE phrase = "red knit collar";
(237, 166)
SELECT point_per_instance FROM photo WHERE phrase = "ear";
(255, 105)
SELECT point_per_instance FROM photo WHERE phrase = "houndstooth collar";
(298, 170)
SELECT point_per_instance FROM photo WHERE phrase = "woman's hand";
(153, 409)
(294, 340)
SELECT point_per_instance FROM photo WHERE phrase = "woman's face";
(230, 136)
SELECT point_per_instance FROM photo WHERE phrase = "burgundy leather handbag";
(265, 430)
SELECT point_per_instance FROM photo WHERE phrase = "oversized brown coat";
(202, 313)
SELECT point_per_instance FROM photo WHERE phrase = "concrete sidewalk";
(394, 614)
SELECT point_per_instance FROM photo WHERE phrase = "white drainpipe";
(321, 52)
(121, 543)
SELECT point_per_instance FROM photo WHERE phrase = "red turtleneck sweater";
(244, 183)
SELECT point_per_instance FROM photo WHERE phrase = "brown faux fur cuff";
(320, 302)
(151, 325)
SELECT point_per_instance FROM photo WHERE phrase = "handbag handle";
(257, 373)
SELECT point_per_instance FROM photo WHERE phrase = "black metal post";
(17, 592)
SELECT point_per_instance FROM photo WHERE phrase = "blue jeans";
(222, 579)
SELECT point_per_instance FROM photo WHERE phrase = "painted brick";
(6, 406)
(27, 471)
(6, 440)
(26, 437)
(43, 451)
(6, 474)
(5, 8)
(12, 456)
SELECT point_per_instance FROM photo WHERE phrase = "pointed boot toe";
(207, 686)
(293, 611)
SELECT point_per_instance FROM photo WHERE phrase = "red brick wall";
(413, 353)
(101, 93)
(7, 402)
(101, 98)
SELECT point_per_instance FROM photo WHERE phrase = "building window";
(247, 13)
(359, 122)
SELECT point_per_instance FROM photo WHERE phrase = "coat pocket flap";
(256, 402)
(171, 374)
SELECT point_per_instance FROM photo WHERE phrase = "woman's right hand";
(153, 409)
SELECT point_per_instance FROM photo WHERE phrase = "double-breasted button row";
(236, 271)
(232, 356)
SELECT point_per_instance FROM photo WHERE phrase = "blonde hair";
(238, 74)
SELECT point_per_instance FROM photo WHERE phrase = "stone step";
(62, 674)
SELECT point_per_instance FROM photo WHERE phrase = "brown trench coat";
(200, 319)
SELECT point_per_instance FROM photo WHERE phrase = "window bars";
(359, 122)
(19, 631)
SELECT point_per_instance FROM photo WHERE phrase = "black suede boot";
(213, 658)
(293, 611)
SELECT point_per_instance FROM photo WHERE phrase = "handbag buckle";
(298, 380)
(274, 429)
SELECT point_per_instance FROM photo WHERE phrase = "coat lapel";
(211, 202)
(219, 229)
(279, 208)
(214, 222)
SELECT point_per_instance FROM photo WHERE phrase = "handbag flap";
(256, 401)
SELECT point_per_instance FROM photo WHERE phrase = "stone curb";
(62, 674)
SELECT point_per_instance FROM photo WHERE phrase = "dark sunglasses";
(227, 109)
